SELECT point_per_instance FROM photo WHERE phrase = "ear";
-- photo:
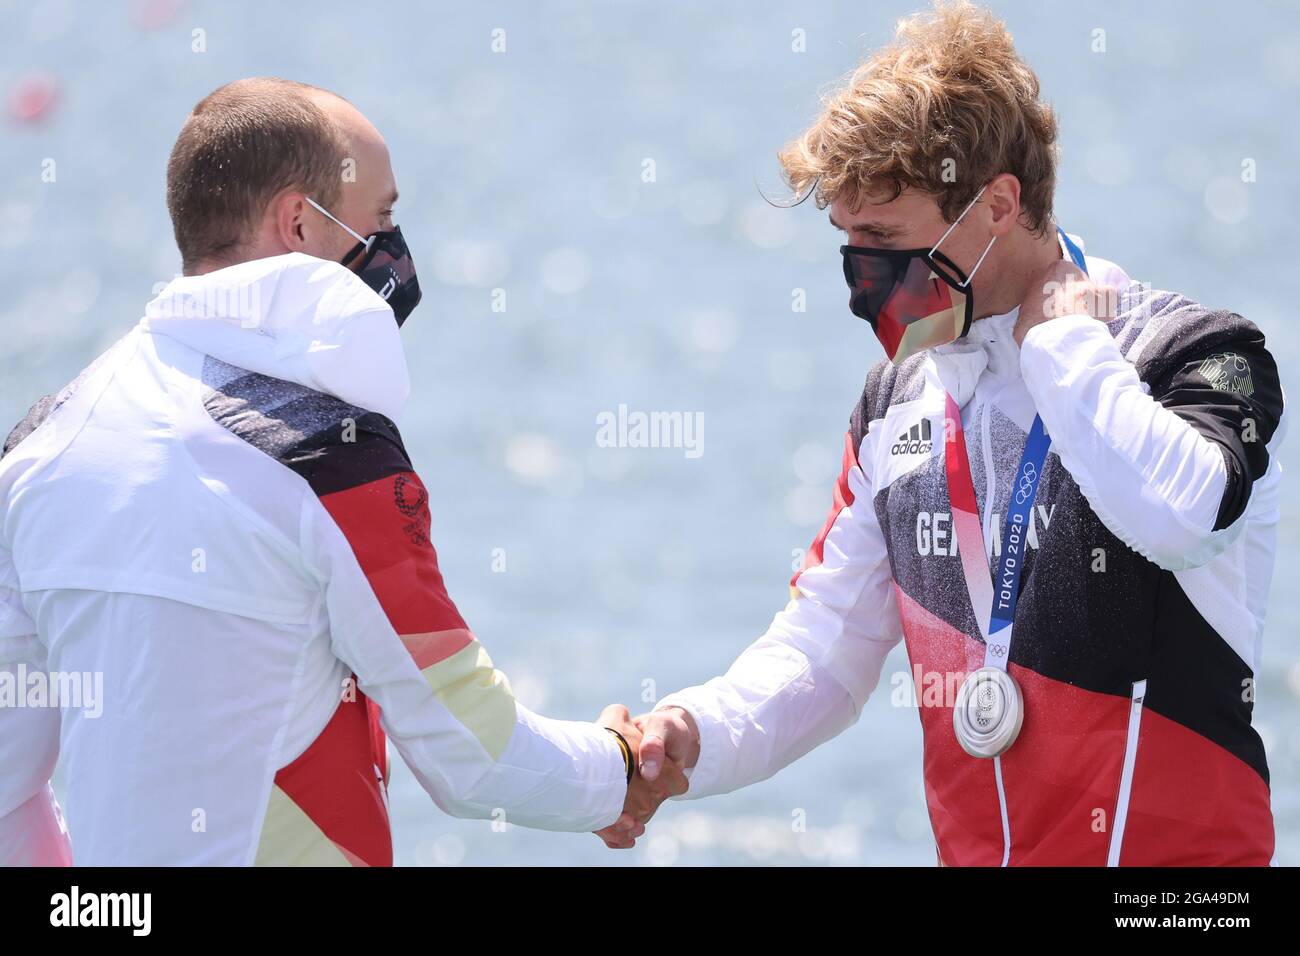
(1002, 196)
(291, 224)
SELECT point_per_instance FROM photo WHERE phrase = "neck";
(204, 266)
(1027, 257)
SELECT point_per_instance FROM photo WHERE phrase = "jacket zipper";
(990, 484)
(990, 499)
(1126, 775)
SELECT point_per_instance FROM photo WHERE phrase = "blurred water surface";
(631, 572)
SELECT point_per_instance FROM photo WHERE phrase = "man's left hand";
(1062, 289)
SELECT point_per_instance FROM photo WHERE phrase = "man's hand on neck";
(1062, 288)
(1026, 258)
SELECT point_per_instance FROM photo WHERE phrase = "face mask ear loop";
(324, 212)
(977, 264)
(954, 226)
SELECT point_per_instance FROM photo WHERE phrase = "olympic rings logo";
(1025, 487)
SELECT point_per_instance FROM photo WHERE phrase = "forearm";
(449, 712)
(553, 775)
(481, 754)
(773, 705)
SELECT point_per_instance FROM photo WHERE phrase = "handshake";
(664, 744)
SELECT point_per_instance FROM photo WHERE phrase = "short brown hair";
(242, 144)
(949, 87)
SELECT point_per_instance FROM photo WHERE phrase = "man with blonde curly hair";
(1048, 449)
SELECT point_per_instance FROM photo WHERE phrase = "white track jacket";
(215, 554)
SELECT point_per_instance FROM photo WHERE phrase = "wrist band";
(628, 763)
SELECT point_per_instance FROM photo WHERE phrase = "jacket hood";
(292, 317)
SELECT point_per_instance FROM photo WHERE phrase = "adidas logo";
(915, 441)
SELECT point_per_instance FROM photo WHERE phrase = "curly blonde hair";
(944, 108)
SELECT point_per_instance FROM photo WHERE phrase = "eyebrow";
(389, 200)
(877, 228)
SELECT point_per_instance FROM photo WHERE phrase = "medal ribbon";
(994, 600)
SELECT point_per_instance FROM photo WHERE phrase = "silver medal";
(989, 712)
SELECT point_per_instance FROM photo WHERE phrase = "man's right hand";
(668, 734)
(644, 794)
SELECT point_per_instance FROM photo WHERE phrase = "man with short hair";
(1047, 445)
(219, 517)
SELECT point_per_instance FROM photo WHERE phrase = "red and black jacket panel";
(355, 462)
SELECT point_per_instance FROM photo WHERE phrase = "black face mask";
(387, 267)
(915, 299)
